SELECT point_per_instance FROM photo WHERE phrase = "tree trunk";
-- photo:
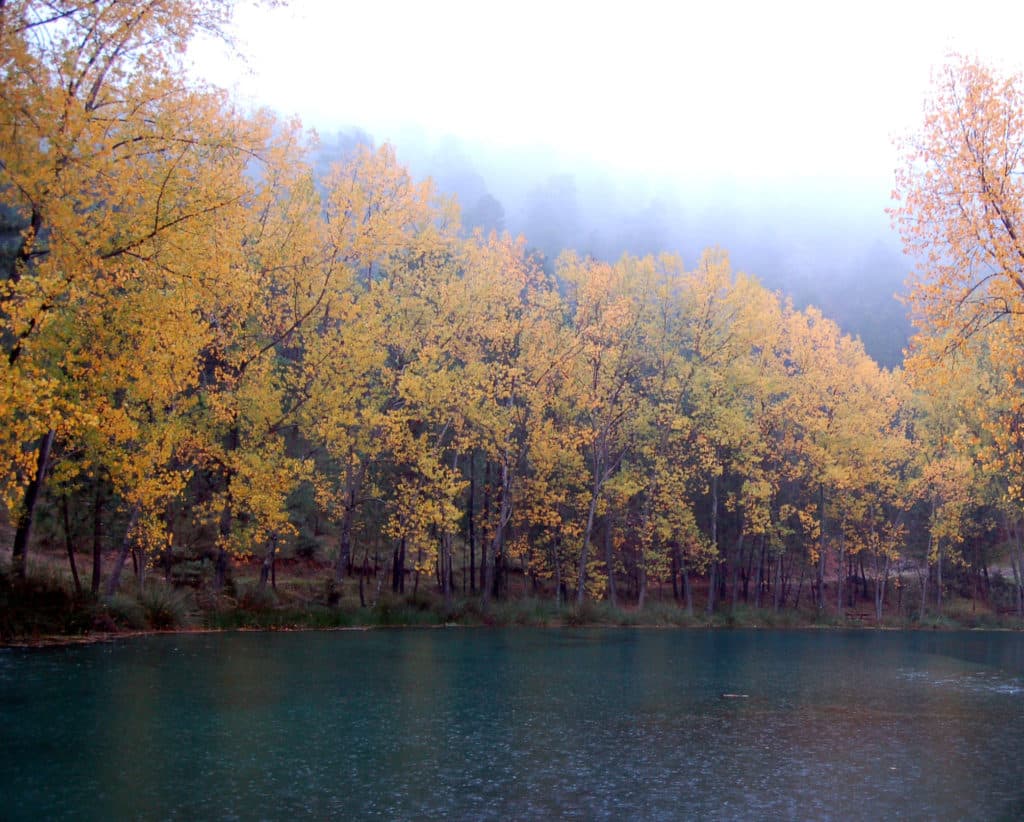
(220, 564)
(880, 588)
(141, 560)
(353, 488)
(168, 554)
(581, 590)
(736, 570)
(840, 572)
(471, 528)
(676, 593)
(800, 584)
(821, 549)
(97, 538)
(485, 542)
(269, 558)
(609, 561)
(398, 568)
(778, 584)
(709, 608)
(378, 574)
(362, 578)
(69, 543)
(1017, 551)
(498, 540)
(558, 573)
(922, 579)
(114, 582)
(444, 562)
(23, 534)
(687, 589)
(758, 579)
(344, 560)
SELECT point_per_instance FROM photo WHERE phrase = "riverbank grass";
(46, 605)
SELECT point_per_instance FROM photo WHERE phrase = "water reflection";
(523, 724)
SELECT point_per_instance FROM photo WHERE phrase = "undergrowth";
(46, 605)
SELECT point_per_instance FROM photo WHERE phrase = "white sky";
(770, 90)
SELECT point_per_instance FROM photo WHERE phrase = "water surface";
(525, 724)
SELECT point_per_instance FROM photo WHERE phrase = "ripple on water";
(524, 724)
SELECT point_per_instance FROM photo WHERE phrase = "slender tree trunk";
(558, 573)
(267, 566)
(747, 571)
(485, 540)
(140, 557)
(446, 566)
(687, 589)
(758, 579)
(778, 585)
(821, 549)
(168, 554)
(114, 581)
(786, 570)
(800, 585)
(23, 534)
(676, 593)
(641, 563)
(938, 580)
(69, 543)
(498, 583)
(736, 569)
(709, 609)
(880, 588)
(471, 528)
(353, 488)
(1018, 551)
(220, 564)
(641, 584)
(922, 579)
(581, 590)
(97, 538)
(840, 572)
(709, 606)
(398, 568)
(378, 573)
(344, 560)
(362, 578)
(497, 546)
(609, 561)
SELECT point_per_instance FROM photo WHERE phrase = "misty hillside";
(825, 245)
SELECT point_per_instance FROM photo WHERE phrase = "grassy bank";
(45, 606)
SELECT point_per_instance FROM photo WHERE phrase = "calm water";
(525, 724)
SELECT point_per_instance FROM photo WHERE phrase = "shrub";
(254, 598)
(164, 608)
(124, 611)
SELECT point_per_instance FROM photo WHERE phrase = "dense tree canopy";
(221, 353)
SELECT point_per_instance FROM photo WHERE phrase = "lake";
(517, 724)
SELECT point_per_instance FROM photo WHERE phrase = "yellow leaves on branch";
(190, 302)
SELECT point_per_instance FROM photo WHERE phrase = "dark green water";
(518, 724)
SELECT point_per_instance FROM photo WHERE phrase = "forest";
(225, 351)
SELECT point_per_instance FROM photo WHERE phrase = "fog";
(820, 242)
(764, 129)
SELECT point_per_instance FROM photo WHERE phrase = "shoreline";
(100, 637)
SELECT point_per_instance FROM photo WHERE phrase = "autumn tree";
(123, 175)
(960, 211)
